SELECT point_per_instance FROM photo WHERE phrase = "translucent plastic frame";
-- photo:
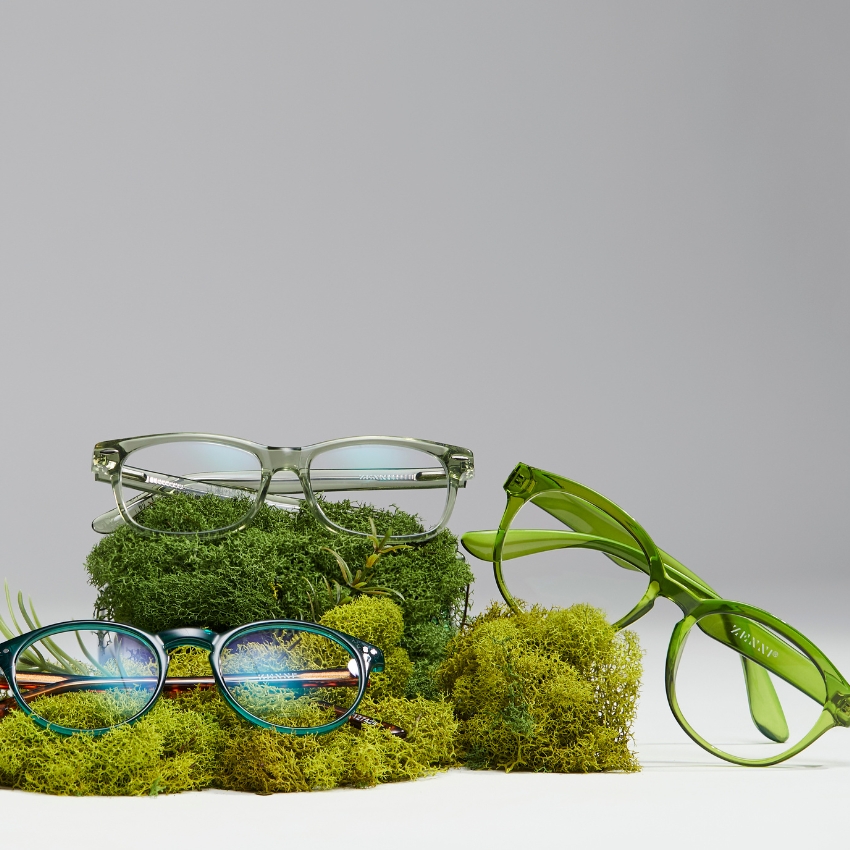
(612, 531)
(369, 659)
(109, 456)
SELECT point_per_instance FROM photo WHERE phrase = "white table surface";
(680, 796)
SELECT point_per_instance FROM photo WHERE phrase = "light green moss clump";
(266, 762)
(169, 750)
(544, 690)
(196, 741)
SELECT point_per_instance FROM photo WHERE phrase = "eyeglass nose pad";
(645, 604)
(187, 636)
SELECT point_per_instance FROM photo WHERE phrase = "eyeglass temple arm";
(37, 685)
(234, 485)
(520, 542)
(175, 685)
(160, 484)
(758, 645)
(765, 707)
(237, 483)
(579, 514)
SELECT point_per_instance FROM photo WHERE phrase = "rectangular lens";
(184, 470)
(385, 477)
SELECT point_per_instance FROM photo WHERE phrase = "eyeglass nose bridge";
(187, 636)
(283, 459)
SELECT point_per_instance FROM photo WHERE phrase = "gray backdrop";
(609, 239)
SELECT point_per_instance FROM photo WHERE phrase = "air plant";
(31, 660)
(359, 582)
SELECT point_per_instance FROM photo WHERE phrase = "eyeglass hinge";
(520, 480)
(104, 461)
(841, 702)
(463, 466)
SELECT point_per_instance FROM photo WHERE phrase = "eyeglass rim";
(108, 457)
(527, 482)
(165, 641)
(833, 681)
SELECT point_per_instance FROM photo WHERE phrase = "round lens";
(87, 678)
(385, 477)
(744, 689)
(207, 486)
(559, 572)
(290, 677)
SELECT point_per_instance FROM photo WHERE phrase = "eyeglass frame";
(670, 579)
(108, 459)
(369, 659)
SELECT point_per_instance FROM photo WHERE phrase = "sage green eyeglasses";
(743, 684)
(419, 477)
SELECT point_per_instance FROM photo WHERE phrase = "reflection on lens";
(83, 679)
(384, 477)
(744, 689)
(227, 479)
(290, 677)
(555, 573)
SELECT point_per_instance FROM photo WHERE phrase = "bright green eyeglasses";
(743, 684)
(93, 675)
(417, 476)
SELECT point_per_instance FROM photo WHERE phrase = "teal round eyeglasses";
(92, 676)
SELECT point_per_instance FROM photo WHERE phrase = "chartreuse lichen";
(544, 691)
(196, 741)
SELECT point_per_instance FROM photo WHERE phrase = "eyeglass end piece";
(479, 544)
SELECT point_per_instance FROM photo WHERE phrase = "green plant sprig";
(359, 582)
(31, 660)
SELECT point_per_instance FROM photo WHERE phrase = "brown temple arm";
(34, 685)
(175, 685)
(43, 684)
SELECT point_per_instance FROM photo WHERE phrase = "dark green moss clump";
(196, 741)
(544, 690)
(274, 569)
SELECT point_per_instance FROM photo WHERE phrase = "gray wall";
(609, 239)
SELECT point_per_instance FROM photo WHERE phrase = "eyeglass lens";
(85, 679)
(219, 472)
(290, 677)
(384, 477)
(733, 687)
(563, 576)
